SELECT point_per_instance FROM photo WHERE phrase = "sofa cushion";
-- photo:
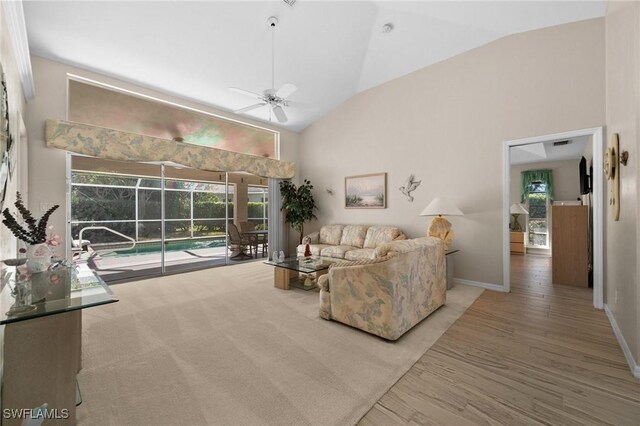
(361, 262)
(336, 251)
(315, 249)
(353, 235)
(359, 254)
(331, 234)
(377, 235)
(404, 246)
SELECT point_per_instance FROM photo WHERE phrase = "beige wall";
(446, 124)
(47, 173)
(623, 111)
(8, 246)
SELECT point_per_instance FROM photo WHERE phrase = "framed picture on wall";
(366, 191)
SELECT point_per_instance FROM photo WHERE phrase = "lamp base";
(441, 228)
(515, 226)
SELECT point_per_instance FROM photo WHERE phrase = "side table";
(449, 259)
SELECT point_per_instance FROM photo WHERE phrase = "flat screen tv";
(585, 181)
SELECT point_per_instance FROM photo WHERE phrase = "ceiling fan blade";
(249, 108)
(296, 104)
(245, 92)
(286, 90)
(280, 115)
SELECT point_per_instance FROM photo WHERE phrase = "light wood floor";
(538, 355)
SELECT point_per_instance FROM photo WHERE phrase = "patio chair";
(242, 242)
(246, 226)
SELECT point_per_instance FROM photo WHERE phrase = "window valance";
(117, 145)
(536, 176)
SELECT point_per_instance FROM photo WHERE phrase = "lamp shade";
(516, 208)
(441, 206)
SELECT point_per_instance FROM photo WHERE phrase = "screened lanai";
(119, 225)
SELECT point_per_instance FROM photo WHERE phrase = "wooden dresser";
(517, 243)
(570, 245)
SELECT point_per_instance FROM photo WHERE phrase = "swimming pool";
(156, 246)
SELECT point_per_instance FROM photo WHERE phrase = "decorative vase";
(38, 258)
(307, 251)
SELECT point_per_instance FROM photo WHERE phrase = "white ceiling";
(545, 151)
(330, 50)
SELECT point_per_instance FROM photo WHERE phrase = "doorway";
(528, 209)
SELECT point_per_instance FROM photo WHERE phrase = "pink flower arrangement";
(54, 240)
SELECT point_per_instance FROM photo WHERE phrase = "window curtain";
(530, 177)
(277, 229)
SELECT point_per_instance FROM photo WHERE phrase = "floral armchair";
(388, 295)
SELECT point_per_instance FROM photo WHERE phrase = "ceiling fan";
(274, 99)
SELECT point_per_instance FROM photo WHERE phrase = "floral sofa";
(350, 242)
(388, 295)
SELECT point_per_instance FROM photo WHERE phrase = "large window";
(538, 223)
(258, 206)
(132, 206)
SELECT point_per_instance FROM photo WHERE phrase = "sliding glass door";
(131, 220)
(196, 215)
(115, 218)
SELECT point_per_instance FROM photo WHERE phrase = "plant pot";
(38, 258)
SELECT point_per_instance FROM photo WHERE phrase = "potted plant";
(298, 203)
(34, 235)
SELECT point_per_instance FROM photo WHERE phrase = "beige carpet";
(223, 346)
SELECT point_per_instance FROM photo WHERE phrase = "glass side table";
(42, 318)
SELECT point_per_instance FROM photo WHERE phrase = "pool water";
(155, 247)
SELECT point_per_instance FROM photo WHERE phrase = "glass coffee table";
(287, 274)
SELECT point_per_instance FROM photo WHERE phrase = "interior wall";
(8, 243)
(447, 123)
(622, 264)
(47, 180)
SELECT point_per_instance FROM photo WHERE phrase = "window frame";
(547, 217)
(264, 190)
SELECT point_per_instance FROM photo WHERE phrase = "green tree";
(298, 204)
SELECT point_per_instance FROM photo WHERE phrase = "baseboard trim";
(633, 365)
(488, 286)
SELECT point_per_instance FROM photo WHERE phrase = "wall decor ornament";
(410, 185)
(366, 191)
(5, 137)
(4, 113)
(612, 173)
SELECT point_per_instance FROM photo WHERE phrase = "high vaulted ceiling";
(330, 50)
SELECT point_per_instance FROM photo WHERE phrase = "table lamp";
(516, 210)
(441, 227)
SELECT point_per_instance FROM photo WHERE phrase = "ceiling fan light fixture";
(274, 98)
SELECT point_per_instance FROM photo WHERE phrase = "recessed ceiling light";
(387, 28)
